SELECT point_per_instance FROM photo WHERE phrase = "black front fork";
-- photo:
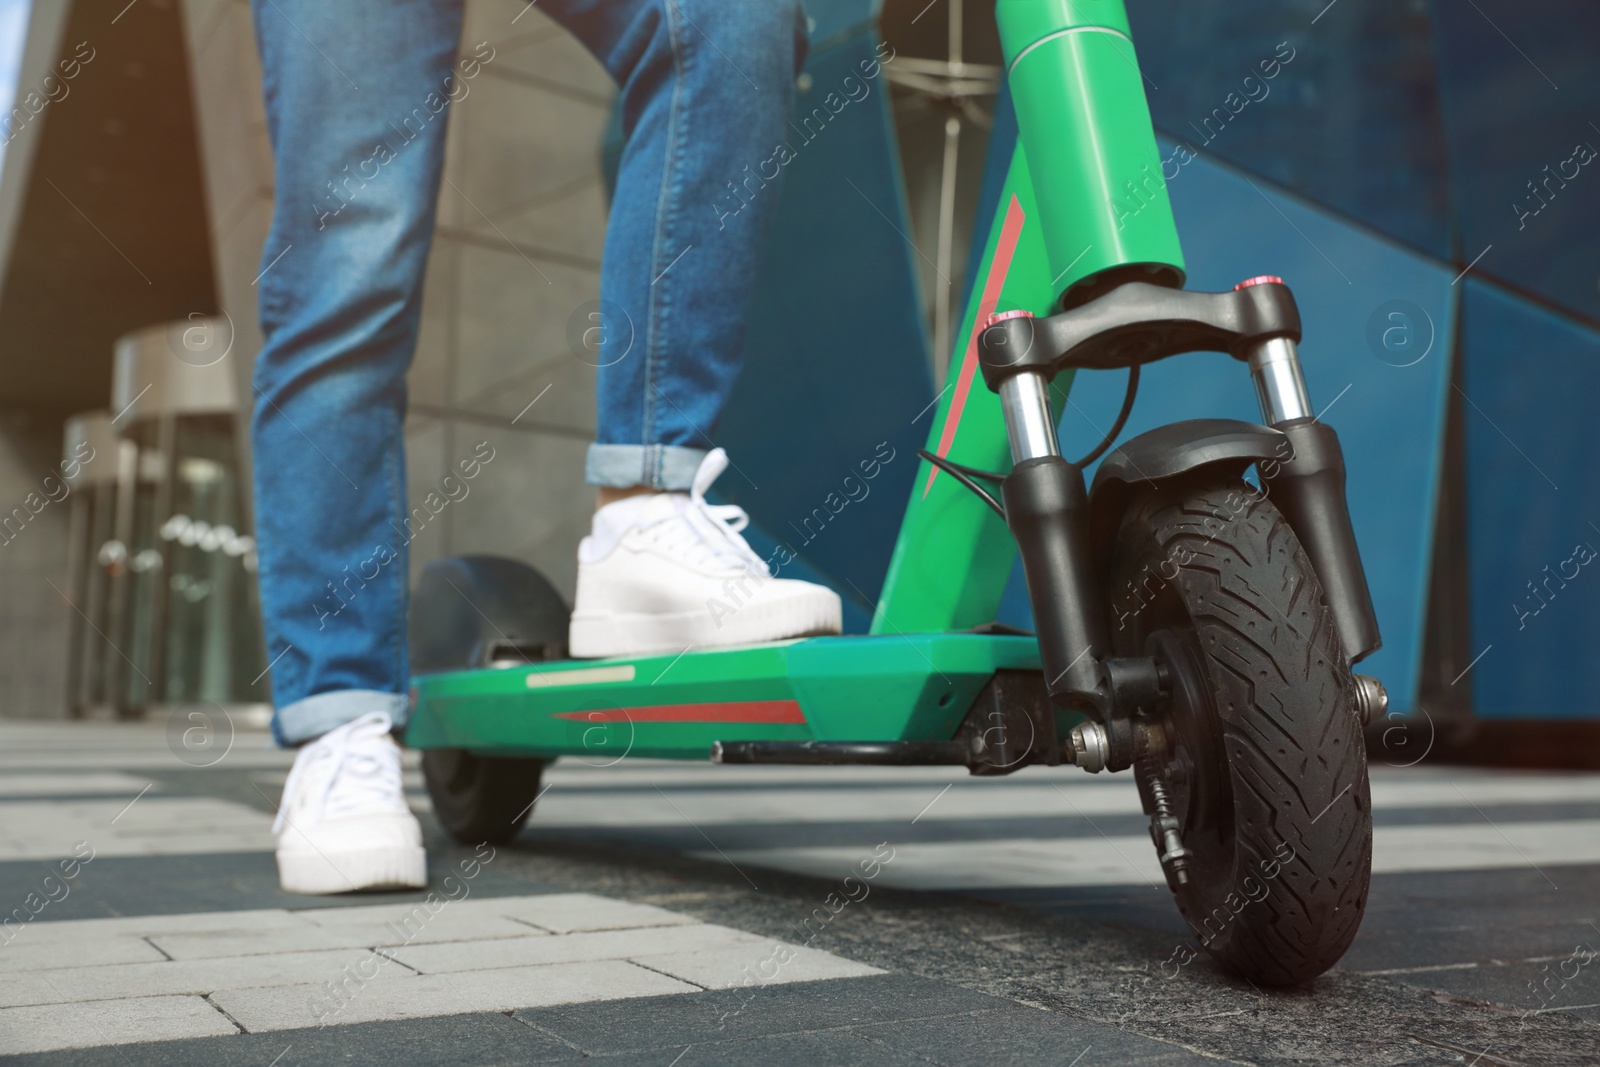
(1308, 486)
(1309, 492)
(1047, 510)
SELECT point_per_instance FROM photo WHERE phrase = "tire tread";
(1297, 766)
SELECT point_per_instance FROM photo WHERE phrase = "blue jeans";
(358, 94)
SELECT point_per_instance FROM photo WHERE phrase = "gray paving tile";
(1522, 893)
(566, 913)
(447, 925)
(1021, 1036)
(78, 930)
(156, 825)
(1091, 934)
(1462, 941)
(859, 833)
(23, 957)
(735, 1014)
(568, 948)
(216, 944)
(483, 1040)
(1523, 987)
(416, 924)
(730, 966)
(124, 980)
(235, 881)
(420, 996)
(1142, 907)
(58, 1026)
(73, 784)
(1448, 917)
(838, 1048)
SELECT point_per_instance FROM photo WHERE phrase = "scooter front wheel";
(1264, 767)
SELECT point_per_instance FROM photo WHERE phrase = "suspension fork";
(1085, 127)
(1102, 204)
(1047, 511)
(1139, 323)
(1047, 508)
(1309, 490)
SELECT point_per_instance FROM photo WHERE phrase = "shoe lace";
(703, 532)
(361, 770)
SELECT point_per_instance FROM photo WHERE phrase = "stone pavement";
(684, 914)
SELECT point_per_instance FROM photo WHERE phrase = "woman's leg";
(706, 87)
(357, 95)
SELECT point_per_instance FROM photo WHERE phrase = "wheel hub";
(1191, 770)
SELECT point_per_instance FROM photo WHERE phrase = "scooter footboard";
(890, 688)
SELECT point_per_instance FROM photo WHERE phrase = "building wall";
(516, 254)
(34, 617)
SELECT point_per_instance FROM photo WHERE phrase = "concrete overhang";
(103, 223)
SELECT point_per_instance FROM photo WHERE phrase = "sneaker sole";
(640, 635)
(373, 868)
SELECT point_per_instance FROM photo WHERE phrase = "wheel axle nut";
(1088, 747)
(1371, 699)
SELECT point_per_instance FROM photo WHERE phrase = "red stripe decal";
(751, 711)
(1004, 249)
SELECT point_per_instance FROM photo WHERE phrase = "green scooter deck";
(904, 687)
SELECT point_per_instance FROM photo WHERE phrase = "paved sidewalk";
(687, 914)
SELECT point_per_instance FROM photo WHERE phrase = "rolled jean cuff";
(309, 719)
(665, 468)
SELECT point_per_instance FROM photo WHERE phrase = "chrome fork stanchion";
(1047, 510)
(1280, 387)
(1025, 402)
(1308, 488)
(1275, 368)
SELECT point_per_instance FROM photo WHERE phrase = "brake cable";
(969, 476)
(1122, 419)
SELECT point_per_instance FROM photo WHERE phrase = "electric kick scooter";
(1193, 626)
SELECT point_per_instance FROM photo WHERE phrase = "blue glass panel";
(1533, 482)
(836, 359)
(1351, 120)
(1521, 93)
(830, 18)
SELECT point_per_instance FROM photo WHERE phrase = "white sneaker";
(344, 824)
(662, 572)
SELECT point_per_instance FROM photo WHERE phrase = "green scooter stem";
(1083, 201)
(1082, 114)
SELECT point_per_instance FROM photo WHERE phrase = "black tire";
(1268, 775)
(481, 798)
(469, 611)
(472, 612)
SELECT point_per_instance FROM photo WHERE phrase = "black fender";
(1303, 469)
(1167, 452)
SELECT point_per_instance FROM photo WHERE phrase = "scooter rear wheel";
(475, 612)
(1265, 768)
(481, 798)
